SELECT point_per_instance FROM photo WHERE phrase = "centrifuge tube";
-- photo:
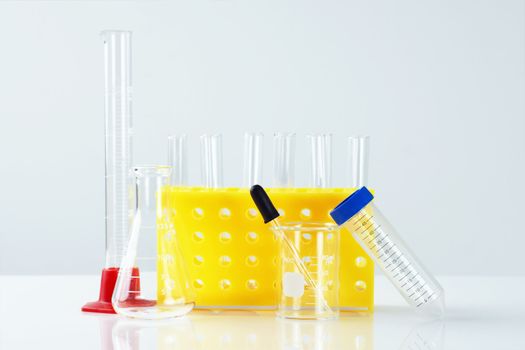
(253, 151)
(321, 160)
(284, 159)
(358, 162)
(378, 238)
(211, 159)
(178, 159)
(118, 142)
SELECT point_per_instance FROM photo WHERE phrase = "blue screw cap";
(351, 205)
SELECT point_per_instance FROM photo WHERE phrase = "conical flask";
(153, 282)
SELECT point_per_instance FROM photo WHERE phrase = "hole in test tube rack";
(360, 286)
(225, 260)
(252, 237)
(360, 262)
(198, 260)
(330, 285)
(252, 284)
(306, 237)
(225, 237)
(307, 260)
(198, 236)
(252, 261)
(225, 213)
(224, 284)
(251, 213)
(198, 213)
(306, 214)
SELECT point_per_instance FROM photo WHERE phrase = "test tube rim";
(306, 226)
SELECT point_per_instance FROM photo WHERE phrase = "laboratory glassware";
(270, 215)
(359, 215)
(253, 152)
(358, 162)
(317, 246)
(321, 160)
(140, 291)
(284, 159)
(211, 160)
(118, 146)
(178, 159)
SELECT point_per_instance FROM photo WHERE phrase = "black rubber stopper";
(263, 203)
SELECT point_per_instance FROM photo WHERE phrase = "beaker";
(153, 281)
(318, 248)
(361, 217)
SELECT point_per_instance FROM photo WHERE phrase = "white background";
(439, 85)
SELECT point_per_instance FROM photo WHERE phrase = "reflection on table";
(245, 330)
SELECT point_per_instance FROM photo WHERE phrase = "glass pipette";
(270, 215)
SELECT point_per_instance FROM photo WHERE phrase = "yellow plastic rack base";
(232, 254)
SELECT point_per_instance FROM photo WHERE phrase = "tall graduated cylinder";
(119, 184)
(359, 215)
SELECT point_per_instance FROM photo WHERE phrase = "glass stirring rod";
(270, 215)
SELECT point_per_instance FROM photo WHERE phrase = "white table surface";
(44, 313)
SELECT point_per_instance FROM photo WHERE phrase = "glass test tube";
(211, 159)
(117, 83)
(253, 152)
(358, 162)
(321, 160)
(284, 159)
(178, 159)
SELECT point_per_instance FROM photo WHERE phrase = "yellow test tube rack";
(232, 254)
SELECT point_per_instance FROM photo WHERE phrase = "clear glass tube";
(321, 160)
(284, 159)
(178, 159)
(117, 83)
(253, 153)
(381, 241)
(153, 281)
(358, 162)
(211, 158)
